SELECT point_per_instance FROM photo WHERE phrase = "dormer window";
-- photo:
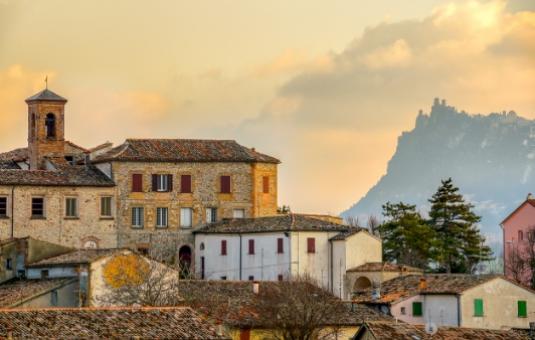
(50, 125)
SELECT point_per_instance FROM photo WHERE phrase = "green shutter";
(522, 309)
(478, 307)
(416, 309)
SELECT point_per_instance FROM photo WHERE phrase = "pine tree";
(407, 239)
(459, 244)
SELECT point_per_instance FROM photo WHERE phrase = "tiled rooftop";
(46, 95)
(402, 287)
(79, 256)
(279, 223)
(235, 304)
(404, 331)
(384, 267)
(16, 291)
(183, 150)
(105, 323)
(78, 175)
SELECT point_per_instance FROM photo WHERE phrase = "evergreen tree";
(407, 239)
(459, 244)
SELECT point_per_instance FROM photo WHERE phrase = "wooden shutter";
(225, 184)
(223, 247)
(169, 182)
(478, 307)
(280, 246)
(251, 247)
(522, 309)
(311, 245)
(416, 309)
(265, 184)
(185, 183)
(154, 182)
(137, 183)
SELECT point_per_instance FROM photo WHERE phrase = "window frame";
(234, 211)
(6, 207)
(162, 183)
(182, 225)
(162, 212)
(102, 198)
(140, 216)
(74, 213)
(42, 215)
(211, 214)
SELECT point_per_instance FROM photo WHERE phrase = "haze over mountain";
(490, 157)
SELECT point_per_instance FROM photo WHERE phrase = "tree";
(530, 256)
(459, 244)
(407, 239)
(373, 225)
(515, 265)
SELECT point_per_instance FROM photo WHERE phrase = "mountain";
(491, 158)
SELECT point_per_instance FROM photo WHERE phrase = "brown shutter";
(137, 183)
(311, 245)
(225, 184)
(169, 182)
(280, 246)
(185, 183)
(251, 247)
(265, 183)
(154, 182)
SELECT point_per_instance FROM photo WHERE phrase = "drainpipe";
(331, 283)
(240, 258)
(12, 211)
(459, 317)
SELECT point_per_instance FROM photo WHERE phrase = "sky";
(325, 86)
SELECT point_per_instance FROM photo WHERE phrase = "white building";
(279, 247)
(460, 300)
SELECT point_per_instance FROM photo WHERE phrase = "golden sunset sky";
(325, 86)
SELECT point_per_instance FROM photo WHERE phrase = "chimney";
(423, 283)
(530, 196)
(256, 287)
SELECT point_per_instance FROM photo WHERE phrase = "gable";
(521, 215)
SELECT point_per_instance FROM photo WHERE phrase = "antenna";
(46, 82)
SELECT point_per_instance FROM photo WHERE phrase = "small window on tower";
(50, 124)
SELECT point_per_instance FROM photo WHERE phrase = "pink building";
(518, 237)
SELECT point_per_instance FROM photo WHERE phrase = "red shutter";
(225, 184)
(169, 182)
(137, 183)
(154, 182)
(280, 246)
(251, 247)
(223, 247)
(265, 183)
(185, 183)
(311, 245)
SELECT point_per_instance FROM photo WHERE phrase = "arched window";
(50, 125)
(362, 283)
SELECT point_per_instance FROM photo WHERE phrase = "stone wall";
(55, 227)
(264, 204)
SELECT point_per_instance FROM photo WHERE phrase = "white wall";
(441, 310)
(53, 272)
(396, 310)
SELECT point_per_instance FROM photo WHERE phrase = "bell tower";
(46, 127)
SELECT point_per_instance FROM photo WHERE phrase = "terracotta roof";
(46, 95)
(76, 257)
(403, 287)
(402, 331)
(105, 323)
(279, 223)
(234, 303)
(76, 175)
(183, 150)
(17, 155)
(384, 267)
(345, 234)
(16, 291)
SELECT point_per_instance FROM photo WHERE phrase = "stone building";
(138, 194)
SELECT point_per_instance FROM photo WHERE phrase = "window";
(403, 311)
(185, 183)
(311, 245)
(225, 184)
(280, 245)
(161, 217)
(105, 206)
(69, 159)
(478, 307)
(224, 278)
(520, 235)
(3, 206)
(9, 264)
(251, 278)
(238, 213)
(143, 250)
(162, 183)
(186, 217)
(138, 219)
(265, 184)
(522, 309)
(211, 215)
(280, 277)
(71, 207)
(251, 247)
(137, 183)
(245, 334)
(44, 274)
(417, 309)
(38, 207)
(50, 125)
(223, 247)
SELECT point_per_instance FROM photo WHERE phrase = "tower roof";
(46, 95)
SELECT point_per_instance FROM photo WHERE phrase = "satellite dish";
(431, 328)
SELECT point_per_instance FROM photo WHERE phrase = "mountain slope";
(490, 157)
